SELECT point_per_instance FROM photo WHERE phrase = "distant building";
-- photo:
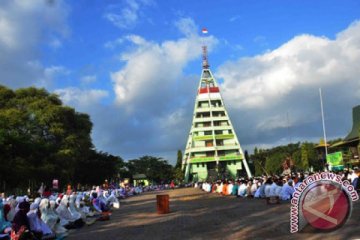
(140, 179)
(320, 148)
(212, 147)
(350, 146)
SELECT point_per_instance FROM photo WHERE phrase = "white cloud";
(24, 26)
(153, 98)
(89, 79)
(186, 26)
(128, 17)
(113, 44)
(259, 91)
(81, 98)
(153, 68)
(53, 71)
(304, 62)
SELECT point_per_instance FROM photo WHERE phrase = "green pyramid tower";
(212, 147)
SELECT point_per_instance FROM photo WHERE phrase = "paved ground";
(197, 215)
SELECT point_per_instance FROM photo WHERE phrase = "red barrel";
(162, 204)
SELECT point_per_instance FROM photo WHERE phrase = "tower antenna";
(205, 63)
(323, 123)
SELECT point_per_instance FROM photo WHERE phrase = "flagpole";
(323, 123)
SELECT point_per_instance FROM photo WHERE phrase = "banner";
(55, 184)
(335, 161)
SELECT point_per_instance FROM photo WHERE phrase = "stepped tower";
(212, 147)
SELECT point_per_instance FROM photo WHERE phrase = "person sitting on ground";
(50, 218)
(254, 187)
(242, 189)
(10, 209)
(68, 220)
(287, 190)
(5, 226)
(230, 188)
(224, 189)
(268, 184)
(72, 209)
(273, 186)
(20, 225)
(260, 191)
(213, 187)
(279, 186)
(99, 204)
(296, 182)
(248, 188)
(219, 189)
(235, 188)
(355, 182)
(37, 226)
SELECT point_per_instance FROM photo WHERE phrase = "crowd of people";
(268, 187)
(51, 215)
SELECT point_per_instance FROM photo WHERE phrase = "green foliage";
(259, 158)
(274, 162)
(156, 169)
(178, 172)
(270, 161)
(40, 139)
(179, 159)
(304, 156)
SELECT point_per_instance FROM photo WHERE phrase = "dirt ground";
(198, 215)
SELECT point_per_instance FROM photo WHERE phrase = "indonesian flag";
(204, 31)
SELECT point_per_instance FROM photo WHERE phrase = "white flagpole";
(323, 123)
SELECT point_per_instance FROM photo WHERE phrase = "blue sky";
(134, 66)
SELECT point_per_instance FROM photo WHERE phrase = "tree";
(178, 172)
(97, 168)
(156, 169)
(179, 159)
(41, 139)
(304, 156)
(274, 162)
(259, 158)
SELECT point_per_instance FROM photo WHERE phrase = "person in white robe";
(254, 187)
(37, 201)
(36, 224)
(230, 188)
(242, 189)
(219, 189)
(257, 193)
(268, 185)
(209, 188)
(278, 188)
(11, 214)
(50, 218)
(272, 191)
(59, 228)
(113, 201)
(19, 200)
(63, 212)
(287, 191)
(72, 208)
